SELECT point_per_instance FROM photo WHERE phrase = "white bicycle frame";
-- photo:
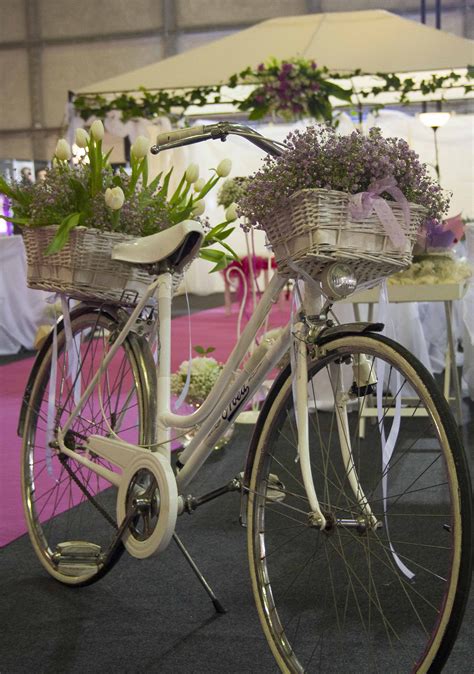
(234, 388)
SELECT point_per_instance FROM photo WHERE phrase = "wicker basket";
(316, 229)
(83, 268)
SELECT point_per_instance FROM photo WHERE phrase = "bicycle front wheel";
(70, 509)
(382, 588)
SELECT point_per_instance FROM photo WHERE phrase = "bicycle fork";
(341, 399)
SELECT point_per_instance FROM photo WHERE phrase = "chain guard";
(162, 504)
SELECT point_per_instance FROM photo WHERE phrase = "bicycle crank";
(148, 485)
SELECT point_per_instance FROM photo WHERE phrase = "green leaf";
(220, 265)
(211, 239)
(155, 182)
(175, 198)
(208, 186)
(211, 254)
(202, 351)
(231, 252)
(106, 157)
(216, 229)
(258, 113)
(17, 221)
(164, 188)
(223, 235)
(338, 92)
(326, 109)
(12, 193)
(62, 235)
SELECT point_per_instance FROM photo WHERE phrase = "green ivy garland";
(291, 89)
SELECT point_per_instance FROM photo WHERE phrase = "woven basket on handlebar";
(316, 229)
(83, 268)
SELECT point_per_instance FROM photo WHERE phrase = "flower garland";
(292, 89)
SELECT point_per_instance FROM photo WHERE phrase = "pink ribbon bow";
(362, 204)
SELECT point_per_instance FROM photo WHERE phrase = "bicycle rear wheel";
(363, 595)
(70, 510)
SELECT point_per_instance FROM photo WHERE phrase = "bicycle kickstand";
(217, 604)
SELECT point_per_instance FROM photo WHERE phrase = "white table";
(22, 310)
(446, 293)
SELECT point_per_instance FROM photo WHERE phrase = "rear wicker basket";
(317, 229)
(83, 268)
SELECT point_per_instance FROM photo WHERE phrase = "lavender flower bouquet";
(319, 158)
(357, 198)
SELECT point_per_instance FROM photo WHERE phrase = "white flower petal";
(97, 130)
(231, 212)
(63, 150)
(81, 138)
(224, 168)
(192, 173)
(114, 198)
(140, 147)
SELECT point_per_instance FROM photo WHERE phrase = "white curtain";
(22, 310)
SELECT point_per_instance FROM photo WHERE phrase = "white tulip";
(140, 147)
(97, 130)
(231, 213)
(82, 138)
(114, 198)
(199, 184)
(63, 150)
(199, 207)
(224, 168)
(192, 173)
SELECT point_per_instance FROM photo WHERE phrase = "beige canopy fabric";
(374, 41)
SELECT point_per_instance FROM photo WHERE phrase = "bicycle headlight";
(338, 281)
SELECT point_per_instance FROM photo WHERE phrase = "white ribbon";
(184, 392)
(73, 348)
(51, 414)
(388, 444)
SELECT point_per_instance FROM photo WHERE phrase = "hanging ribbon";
(51, 411)
(184, 392)
(73, 348)
(295, 305)
(362, 204)
(388, 444)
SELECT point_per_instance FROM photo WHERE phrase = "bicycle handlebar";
(219, 131)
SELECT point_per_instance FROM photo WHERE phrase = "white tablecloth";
(22, 310)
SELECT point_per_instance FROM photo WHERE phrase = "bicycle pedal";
(75, 558)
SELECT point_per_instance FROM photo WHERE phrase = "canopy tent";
(373, 40)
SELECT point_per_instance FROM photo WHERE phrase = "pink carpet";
(208, 328)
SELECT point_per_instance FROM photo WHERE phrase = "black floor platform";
(152, 615)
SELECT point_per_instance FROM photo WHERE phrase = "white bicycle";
(359, 534)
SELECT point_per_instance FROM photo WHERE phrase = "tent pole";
(423, 11)
(438, 14)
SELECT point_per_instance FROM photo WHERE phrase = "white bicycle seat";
(178, 244)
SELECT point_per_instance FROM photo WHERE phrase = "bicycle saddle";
(178, 245)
